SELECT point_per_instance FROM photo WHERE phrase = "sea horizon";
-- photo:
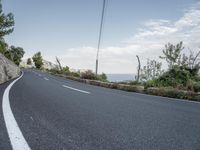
(119, 77)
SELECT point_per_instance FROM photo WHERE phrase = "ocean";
(120, 77)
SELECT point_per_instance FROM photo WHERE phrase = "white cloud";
(148, 42)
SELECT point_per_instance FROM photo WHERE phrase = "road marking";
(46, 78)
(76, 89)
(17, 139)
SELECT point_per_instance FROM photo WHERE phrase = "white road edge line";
(46, 78)
(17, 139)
(76, 89)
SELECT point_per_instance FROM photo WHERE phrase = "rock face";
(8, 70)
(49, 65)
(46, 64)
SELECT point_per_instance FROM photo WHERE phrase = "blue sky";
(69, 29)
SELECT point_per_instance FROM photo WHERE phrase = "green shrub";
(134, 83)
(54, 71)
(190, 85)
(65, 70)
(178, 77)
(175, 93)
(88, 75)
(196, 78)
(75, 74)
(150, 83)
(130, 88)
(197, 86)
(102, 77)
(171, 92)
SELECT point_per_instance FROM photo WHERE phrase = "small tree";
(29, 61)
(3, 46)
(151, 71)
(38, 60)
(6, 22)
(6, 27)
(172, 54)
(15, 54)
(66, 70)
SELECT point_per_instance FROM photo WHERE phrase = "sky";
(69, 30)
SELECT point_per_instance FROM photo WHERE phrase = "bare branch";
(59, 64)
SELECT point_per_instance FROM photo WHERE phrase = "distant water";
(120, 77)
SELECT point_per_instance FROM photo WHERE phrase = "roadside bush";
(65, 70)
(134, 83)
(102, 77)
(197, 87)
(190, 85)
(54, 71)
(88, 75)
(150, 83)
(178, 77)
(171, 92)
(75, 74)
(196, 78)
(175, 76)
(130, 88)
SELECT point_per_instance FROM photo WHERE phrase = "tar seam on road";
(76, 89)
(17, 139)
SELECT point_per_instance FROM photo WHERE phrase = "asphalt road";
(56, 114)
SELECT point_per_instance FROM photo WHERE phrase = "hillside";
(8, 70)
(46, 64)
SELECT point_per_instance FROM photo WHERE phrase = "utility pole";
(100, 33)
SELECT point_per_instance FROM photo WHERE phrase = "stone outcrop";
(46, 64)
(8, 70)
(49, 65)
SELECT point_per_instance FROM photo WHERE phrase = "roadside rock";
(8, 70)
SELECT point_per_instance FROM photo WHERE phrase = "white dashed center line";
(86, 92)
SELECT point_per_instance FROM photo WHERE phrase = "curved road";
(58, 114)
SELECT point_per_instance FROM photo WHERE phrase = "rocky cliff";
(8, 70)
(46, 64)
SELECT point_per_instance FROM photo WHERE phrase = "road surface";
(53, 113)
